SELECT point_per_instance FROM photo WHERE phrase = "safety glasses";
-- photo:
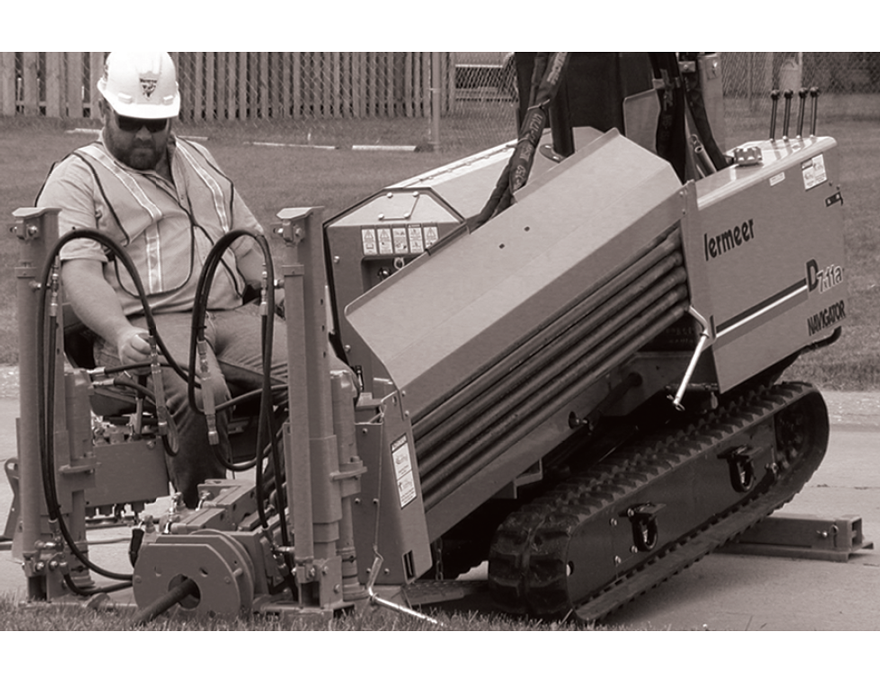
(132, 125)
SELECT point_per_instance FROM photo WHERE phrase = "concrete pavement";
(748, 592)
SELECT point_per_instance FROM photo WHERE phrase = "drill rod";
(607, 324)
(446, 483)
(444, 415)
(181, 591)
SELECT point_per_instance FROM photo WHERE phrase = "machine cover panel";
(449, 315)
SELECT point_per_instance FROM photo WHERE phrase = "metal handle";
(692, 365)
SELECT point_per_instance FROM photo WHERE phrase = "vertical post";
(312, 452)
(263, 85)
(30, 83)
(247, 108)
(75, 87)
(54, 84)
(7, 83)
(297, 96)
(41, 549)
(221, 80)
(297, 458)
(96, 69)
(198, 88)
(435, 101)
(210, 85)
(350, 469)
(36, 231)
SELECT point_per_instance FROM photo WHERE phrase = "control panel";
(370, 242)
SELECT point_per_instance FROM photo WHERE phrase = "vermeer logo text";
(716, 246)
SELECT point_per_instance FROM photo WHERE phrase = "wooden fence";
(218, 86)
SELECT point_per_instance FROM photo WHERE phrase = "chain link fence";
(455, 100)
(848, 83)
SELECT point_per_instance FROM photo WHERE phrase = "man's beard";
(136, 154)
(142, 158)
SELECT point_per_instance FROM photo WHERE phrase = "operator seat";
(115, 404)
(109, 403)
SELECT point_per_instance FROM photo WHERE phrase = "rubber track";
(530, 551)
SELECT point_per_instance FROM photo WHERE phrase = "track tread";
(529, 556)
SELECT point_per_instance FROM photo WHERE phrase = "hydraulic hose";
(46, 384)
(266, 430)
(197, 338)
(546, 79)
(46, 388)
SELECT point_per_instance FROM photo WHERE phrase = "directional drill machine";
(565, 355)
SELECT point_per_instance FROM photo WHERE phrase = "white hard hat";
(141, 85)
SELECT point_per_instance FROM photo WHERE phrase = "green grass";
(18, 616)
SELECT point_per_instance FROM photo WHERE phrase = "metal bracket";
(643, 519)
(741, 461)
(802, 537)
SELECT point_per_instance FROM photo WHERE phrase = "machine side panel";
(769, 240)
(448, 316)
(389, 514)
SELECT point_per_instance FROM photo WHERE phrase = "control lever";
(167, 427)
(774, 96)
(814, 94)
(802, 107)
(788, 94)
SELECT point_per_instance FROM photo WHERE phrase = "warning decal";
(431, 236)
(400, 240)
(416, 242)
(400, 456)
(368, 235)
(814, 171)
(386, 247)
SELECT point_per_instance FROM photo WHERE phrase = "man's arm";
(95, 303)
(250, 265)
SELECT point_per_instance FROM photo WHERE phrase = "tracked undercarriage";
(657, 505)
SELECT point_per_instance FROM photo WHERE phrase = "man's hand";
(95, 303)
(133, 345)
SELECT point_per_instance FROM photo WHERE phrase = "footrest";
(802, 537)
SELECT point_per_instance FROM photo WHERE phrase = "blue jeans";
(235, 359)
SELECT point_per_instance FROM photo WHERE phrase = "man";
(167, 202)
